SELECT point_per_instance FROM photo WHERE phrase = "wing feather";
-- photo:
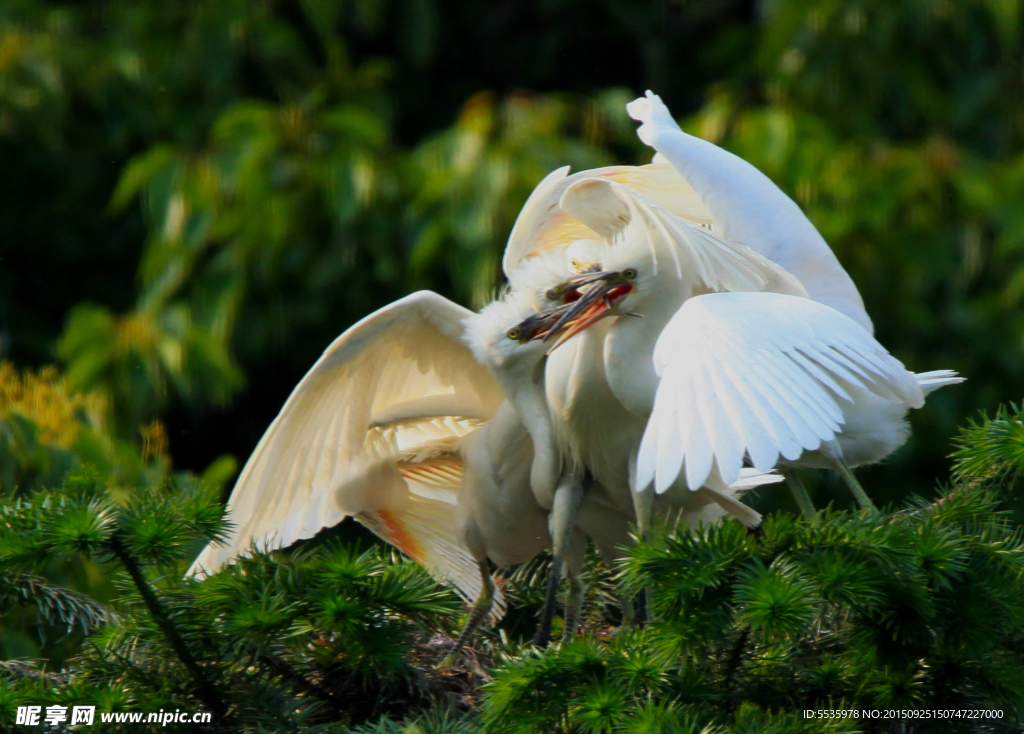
(750, 208)
(699, 448)
(761, 437)
(670, 439)
(542, 225)
(823, 377)
(620, 213)
(741, 421)
(794, 432)
(762, 375)
(810, 402)
(399, 379)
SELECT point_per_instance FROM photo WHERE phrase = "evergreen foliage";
(919, 609)
(273, 642)
(990, 453)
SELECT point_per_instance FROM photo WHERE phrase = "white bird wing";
(619, 213)
(542, 225)
(750, 208)
(757, 374)
(369, 432)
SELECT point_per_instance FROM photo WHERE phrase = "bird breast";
(592, 427)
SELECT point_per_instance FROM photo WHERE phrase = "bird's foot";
(541, 639)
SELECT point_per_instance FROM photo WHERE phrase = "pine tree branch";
(25, 669)
(55, 604)
(735, 656)
(205, 690)
(129, 665)
(283, 670)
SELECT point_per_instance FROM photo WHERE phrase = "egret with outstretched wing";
(371, 432)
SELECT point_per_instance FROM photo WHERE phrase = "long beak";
(604, 291)
(568, 290)
(539, 324)
(591, 276)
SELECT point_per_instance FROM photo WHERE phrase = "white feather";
(624, 217)
(765, 372)
(397, 381)
(750, 209)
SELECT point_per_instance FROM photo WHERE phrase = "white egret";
(756, 372)
(371, 432)
(583, 406)
(751, 210)
(598, 426)
(399, 426)
(502, 338)
(727, 196)
(594, 434)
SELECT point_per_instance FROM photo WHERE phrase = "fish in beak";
(589, 298)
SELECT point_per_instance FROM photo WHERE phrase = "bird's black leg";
(567, 500)
(477, 614)
(803, 500)
(547, 613)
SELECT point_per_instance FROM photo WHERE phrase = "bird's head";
(505, 335)
(643, 269)
(608, 280)
(542, 278)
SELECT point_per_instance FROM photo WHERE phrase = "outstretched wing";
(369, 432)
(760, 374)
(750, 208)
(620, 213)
(543, 225)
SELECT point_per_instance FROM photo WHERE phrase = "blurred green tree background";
(197, 197)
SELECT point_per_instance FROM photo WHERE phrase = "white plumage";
(762, 375)
(732, 360)
(372, 432)
(454, 437)
(750, 209)
(544, 226)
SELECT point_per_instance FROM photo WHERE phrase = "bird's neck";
(629, 351)
(527, 396)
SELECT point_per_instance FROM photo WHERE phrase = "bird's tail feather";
(724, 497)
(932, 381)
(751, 478)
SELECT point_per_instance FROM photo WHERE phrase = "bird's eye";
(552, 294)
(514, 333)
(629, 273)
(574, 264)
